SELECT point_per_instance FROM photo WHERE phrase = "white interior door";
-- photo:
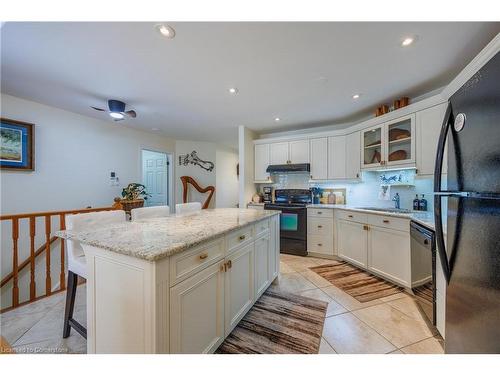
(155, 177)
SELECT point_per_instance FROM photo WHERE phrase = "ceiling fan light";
(116, 115)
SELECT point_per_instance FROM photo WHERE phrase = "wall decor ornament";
(16, 145)
(193, 158)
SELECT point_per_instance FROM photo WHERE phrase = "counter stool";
(149, 212)
(184, 208)
(77, 265)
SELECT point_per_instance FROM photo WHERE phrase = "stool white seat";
(184, 208)
(149, 212)
(77, 265)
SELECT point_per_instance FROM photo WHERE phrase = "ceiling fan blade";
(131, 113)
(118, 119)
(98, 109)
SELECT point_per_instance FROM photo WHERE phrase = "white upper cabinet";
(293, 152)
(336, 157)
(278, 153)
(319, 158)
(299, 151)
(400, 141)
(389, 144)
(372, 152)
(428, 124)
(352, 163)
(261, 162)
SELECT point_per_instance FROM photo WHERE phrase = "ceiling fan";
(117, 110)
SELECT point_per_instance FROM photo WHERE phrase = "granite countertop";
(154, 239)
(422, 217)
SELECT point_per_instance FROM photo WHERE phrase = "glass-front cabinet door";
(389, 144)
(372, 150)
(400, 145)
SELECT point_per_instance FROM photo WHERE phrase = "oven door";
(293, 222)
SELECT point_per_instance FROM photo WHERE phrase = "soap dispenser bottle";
(416, 203)
(423, 203)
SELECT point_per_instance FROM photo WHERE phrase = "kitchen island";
(177, 284)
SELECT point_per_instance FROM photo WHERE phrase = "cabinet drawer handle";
(229, 264)
(350, 216)
(203, 256)
(320, 244)
(319, 212)
(320, 226)
(386, 221)
(242, 237)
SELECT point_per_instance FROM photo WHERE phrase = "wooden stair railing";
(45, 248)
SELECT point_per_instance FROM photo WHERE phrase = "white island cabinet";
(177, 284)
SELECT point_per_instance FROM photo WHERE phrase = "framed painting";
(16, 145)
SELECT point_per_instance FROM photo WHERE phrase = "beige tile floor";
(392, 324)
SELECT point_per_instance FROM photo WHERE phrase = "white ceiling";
(305, 73)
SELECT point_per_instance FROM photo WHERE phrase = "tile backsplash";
(366, 192)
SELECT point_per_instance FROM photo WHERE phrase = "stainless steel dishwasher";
(423, 269)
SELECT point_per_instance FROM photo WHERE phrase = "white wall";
(74, 156)
(206, 151)
(246, 157)
(226, 179)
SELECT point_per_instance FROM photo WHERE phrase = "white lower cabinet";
(197, 312)
(320, 232)
(262, 263)
(239, 285)
(389, 254)
(352, 242)
(383, 249)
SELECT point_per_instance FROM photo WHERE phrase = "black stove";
(293, 219)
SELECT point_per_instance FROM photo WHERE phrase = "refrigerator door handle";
(438, 168)
(440, 238)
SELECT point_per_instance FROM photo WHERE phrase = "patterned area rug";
(356, 282)
(278, 323)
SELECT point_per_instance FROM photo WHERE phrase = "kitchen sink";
(391, 210)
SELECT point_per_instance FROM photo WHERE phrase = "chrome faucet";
(396, 201)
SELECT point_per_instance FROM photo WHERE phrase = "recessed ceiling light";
(407, 41)
(277, 119)
(233, 90)
(356, 96)
(116, 115)
(166, 31)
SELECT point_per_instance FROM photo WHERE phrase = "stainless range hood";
(277, 168)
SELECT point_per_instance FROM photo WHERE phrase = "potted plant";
(133, 196)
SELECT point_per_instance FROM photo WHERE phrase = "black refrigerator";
(470, 249)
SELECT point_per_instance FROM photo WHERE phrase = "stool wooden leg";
(70, 302)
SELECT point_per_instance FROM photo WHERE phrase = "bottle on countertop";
(416, 203)
(332, 198)
(423, 204)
